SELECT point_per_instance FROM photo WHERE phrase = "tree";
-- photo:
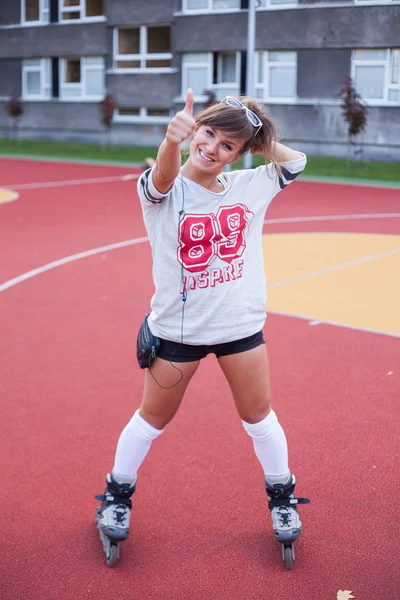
(107, 108)
(354, 110)
(14, 109)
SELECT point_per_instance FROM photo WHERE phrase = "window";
(376, 74)
(138, 48)
(374, 1)
(35, 12)
(276, 76)
(273, 4)
(218, 71)
(227, 79)
(196, 72)
(82, 78)
(36, 79)
(210, 5)
(132, 114)
(78, 10)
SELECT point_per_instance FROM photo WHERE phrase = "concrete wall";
(10, 12)
(336, 27)
(10, 77)
(54, 40)
(121, 12)
(321, 130)
(144, 89)
(46, 117)
(315, 129)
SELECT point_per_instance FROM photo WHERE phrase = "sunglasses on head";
(252, 117)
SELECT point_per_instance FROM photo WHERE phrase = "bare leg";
(160, 405)
(248, 377)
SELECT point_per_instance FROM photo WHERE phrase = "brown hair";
(234, 121)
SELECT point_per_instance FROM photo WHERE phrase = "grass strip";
(319, 166)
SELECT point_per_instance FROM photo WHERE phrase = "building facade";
(61, 57)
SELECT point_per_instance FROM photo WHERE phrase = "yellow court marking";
(347, 278)
(7, 195)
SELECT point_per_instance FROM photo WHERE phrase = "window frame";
(142, 117)
(209, 9)
(373, 2)
(220, 89)
(81, 8)
(201, 64)
(45, 64)
(226, 87)
(285, 5)
(265, 85)
(44, 14)
(85, 67)
(143, 55)
(386, 63)
(268, 6)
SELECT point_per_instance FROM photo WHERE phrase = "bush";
(14, 108)
(354, 110)
(107, 108)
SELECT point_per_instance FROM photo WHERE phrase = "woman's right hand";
(183, 123)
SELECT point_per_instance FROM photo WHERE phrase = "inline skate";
(113, 516)
(285, 517)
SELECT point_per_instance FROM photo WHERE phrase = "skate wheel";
(113, 555)
(288, 557)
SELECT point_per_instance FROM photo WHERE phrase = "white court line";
(333, 323)
(357, 261)
(57, 263)
(63, 261)
(333, 218)
(67, 182)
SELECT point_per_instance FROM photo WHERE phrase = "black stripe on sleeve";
(288, 176)
(145, 185)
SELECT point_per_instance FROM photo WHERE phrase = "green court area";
(318, 166)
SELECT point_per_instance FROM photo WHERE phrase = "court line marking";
(375, 183)
(73, 257)
(68, 259)
(67, 182)
(135, 176)
(312, 321)
(332, 218)
(350, 263)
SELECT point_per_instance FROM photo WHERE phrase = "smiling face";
(212, 149)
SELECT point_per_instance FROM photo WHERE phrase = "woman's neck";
(210, 182)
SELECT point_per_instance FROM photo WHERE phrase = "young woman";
(205, 229)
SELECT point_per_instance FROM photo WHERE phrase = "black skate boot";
(113, 516)
(285, 517)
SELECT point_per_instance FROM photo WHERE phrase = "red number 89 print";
(204, 237)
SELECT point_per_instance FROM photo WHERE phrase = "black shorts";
(177, 352)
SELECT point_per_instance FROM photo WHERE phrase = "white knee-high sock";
(132, 448)
(270, 446)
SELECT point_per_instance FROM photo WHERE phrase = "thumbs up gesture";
(183, 123)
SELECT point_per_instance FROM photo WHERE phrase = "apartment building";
(62, 56)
